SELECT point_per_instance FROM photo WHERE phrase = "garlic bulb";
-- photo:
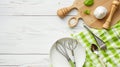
(100, 12)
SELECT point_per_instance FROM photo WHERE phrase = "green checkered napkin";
(111, 57)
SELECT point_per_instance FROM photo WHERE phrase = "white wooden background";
(28, 28)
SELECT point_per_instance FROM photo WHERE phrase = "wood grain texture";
(30, 35)
(20, 60)
(20, 34)
(28, 29)
(8, 66)
(90, 20)
(32, 7)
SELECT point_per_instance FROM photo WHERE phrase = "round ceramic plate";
(58, 60)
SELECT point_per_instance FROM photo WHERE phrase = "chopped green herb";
(89, 2)
(87, 12)
(118, 21)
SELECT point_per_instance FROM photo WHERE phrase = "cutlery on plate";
(70, 44)
(99, 41)
(94, 49)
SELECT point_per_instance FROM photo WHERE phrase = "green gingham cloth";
(111, 57)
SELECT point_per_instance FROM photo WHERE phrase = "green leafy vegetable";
(89, 2)
(87, 12)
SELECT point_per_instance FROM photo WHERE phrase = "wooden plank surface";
(9, 66)
(28, 34)
(22, 60)
(33, 7)
(28, 28)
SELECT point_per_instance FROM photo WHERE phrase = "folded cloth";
(111, 37)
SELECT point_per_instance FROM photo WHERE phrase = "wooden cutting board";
(90, 20)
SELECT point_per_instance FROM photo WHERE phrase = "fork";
(99, 41)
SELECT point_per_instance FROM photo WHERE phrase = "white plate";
(58, 60)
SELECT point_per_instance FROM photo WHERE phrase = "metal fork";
(99, 41)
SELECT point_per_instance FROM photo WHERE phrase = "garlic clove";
(100, 12)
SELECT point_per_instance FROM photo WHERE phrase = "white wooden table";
(28, 28)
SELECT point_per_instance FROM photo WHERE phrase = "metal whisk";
(71, 45)
(61, 48)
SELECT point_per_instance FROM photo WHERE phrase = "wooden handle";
(64, 11)
(73, 24)
(115, 3)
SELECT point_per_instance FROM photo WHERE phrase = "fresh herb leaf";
(89, 2)
(87, 12)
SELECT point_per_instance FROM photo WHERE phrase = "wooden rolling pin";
(115, 5)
